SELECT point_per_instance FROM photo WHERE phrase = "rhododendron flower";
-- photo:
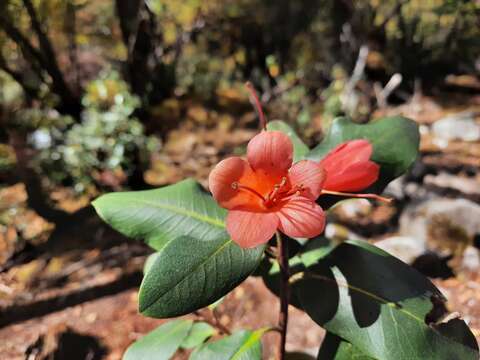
(265, 192)
(349, 167)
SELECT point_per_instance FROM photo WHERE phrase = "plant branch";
(282, 258)
(30, 91)
(213, 320)
(71, 30)
(37, 199)
(50, 59)
(41, 59)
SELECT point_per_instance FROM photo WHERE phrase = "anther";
(272, 195)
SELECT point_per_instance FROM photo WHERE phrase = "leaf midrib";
(366, 293)
(386, 302)
(247, 344)
(187, 213)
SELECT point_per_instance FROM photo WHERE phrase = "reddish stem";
(257, 104)
(282, 258)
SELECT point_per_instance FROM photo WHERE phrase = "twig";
(348, 101)
(382, 95)
(282, 257)
(71, 30)
(358, 70)
(214, 321)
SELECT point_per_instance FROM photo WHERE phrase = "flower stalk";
(282, 258)
(254, 98)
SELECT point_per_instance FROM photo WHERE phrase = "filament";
(236, 186)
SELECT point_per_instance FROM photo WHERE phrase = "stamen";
(257, 104)
(297, 190)
(236, 186)
(363, 196)
(276, 188)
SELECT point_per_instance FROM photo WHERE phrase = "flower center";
(279, 192)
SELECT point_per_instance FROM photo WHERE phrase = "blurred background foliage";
(92, 87)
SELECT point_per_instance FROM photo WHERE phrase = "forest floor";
(60, 292)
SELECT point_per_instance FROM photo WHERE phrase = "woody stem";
(282, 258)
(363, 196)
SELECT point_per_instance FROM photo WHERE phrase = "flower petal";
(346, 154)
(349, 168)
(301, 217)
(309, 175)
(355, 178)
(250, 229)
(270, 152)
(220, 181)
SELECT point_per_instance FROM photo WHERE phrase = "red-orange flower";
(349, 167)
(265, 192)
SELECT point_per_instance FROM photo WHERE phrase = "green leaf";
(197, 263)
(395, 143)
(242, 345)
(149, 262)
(380, 305)
(161, 343)
(335, 348)
(189, 274)
(314, 250)
(199, 333)
(161, 215)
(299, 148)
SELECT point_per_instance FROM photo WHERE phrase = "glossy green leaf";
(189, 274)
(314, 250)
(197, 263)
(395, 143)
(335, 348)
(299, 147)
(161, 343)
(149, 262)
(382, 306)
(161, 215)
(199, 333)
(242, 345)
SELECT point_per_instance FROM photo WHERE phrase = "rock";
(340, 233)
(446, 226)
(471, 259)
(460, 126)
(469, 187)
(407, 249)
(396, 188)
(353, 208)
